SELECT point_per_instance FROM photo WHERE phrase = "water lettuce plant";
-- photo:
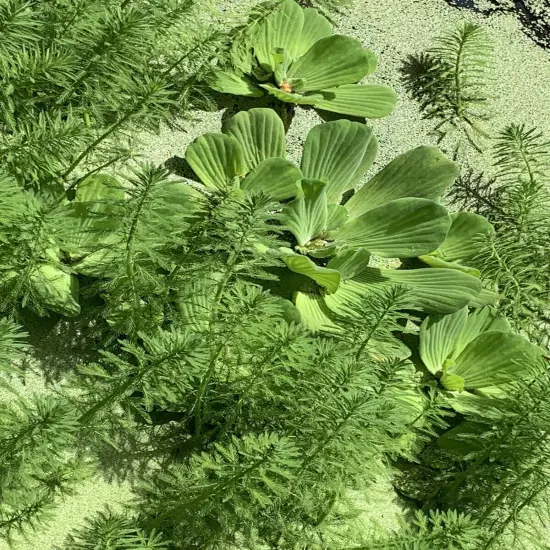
(475, 352)
(396, 214)
(293, 55)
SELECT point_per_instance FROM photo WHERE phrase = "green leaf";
(315, 27)
(332, 61)
(434, 261)
(276, 177)
(350, 262)
(260, 133)
(424, 172)
(478, 321)
(486, 297)
(467, 237)
(298, 99)
(337, 216)
(101, 263)
(495, 358)
(306, 217)
(339, 153)
(314, 312)
(227, 82)
(94, 213)
(360, 100)
(217, 159)
(195, 301)
(441, 291)
(57, 289)
(280, 29)
(327, 278)
(439, 335)
(452, 382)
(403, 228)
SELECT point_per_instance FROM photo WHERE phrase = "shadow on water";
(534, 20)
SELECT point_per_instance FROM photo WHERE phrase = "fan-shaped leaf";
(281, 29)
(314, 312)
(495, 358)
(217, 159)
(327, 278)
(467, 236)
(276, 177)
(350, 262)
(337, 216)
(227, 82)
(57, 289)
(403, 228)
(431, 290)
(332, 61)
(479, 320)
(424, 172)
(338, 153)
(360, 100)
(315, 27)
(306, 216)
(260, 133)
(439, 335)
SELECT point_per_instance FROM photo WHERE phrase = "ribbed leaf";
(58, 290)
(327, 278)
(332, 61)
(306, 216)
(217, 159)
(350, 262)
(441, 291)
(276, 177)
(424, 172)
(226, 82)
(434, 261)
(495, 358)
(439, 335)
(403, 228)
(338, 153)
(479, 320)
(298, 99)
(315, 27)
(360, 100)
(468, 236)
(337, 216)
(314, 312)
(260, 133)
(93, 214)
(281, 29)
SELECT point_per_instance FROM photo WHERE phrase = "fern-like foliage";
(517, 202)
(37, 466)
(450, 80)
(80, 77)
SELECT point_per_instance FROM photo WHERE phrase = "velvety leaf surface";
(495, 358)
(276, 177)
(440, 291)
(260, 133)
(338, 153)
(424, 172)
(281, 29)
(438, 337)
(217, 159)
(306, 216)
(314, 312)
(332, 61)
(57, 289)
(403, 228)
(350, 262)
(226, 82)
(360, 100)
(327, 278)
